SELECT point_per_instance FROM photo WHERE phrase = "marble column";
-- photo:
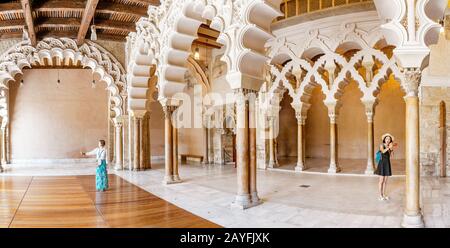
(147, 150)
(119, 146)
(3, 147)
(272, 156)
(304, 142)
(137, 142)
(300, 143)
(176, 176)
(252, 147)
(243, 199)
(142, 154)
(413, 215)
(370, 111)
(334, 166)
(210, 145)
(206, 127)
(443, 139)
(169, 145)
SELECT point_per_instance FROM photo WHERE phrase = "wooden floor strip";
(72, 201)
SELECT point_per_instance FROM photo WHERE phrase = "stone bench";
(185, 156)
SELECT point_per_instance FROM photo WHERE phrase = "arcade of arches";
(236, 103)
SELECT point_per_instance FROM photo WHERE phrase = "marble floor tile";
(329, 201)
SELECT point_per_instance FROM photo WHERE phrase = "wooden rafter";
(114, 19)
(88, 14)
(29, 20)
(146, 2)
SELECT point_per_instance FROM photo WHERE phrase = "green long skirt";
(101, 177)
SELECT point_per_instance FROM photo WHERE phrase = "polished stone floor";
(290, 199)
(348, 166)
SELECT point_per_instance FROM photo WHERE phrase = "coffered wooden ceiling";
(113, 19)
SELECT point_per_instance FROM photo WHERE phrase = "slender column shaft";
(304, 143)
(370, 148)
(412, 216)
(3, 146)
(119, 147)
(252, 143)
(333, 144)
(242, 156)
(7, 145)
(148, 150)
(168, 145)
(206, 151)
(272, 159)
(443, 138)
(210, 146)
(334, 167)
(176, 176)
(137, 144)
(412, 158)
(142, 154)
(300, 157)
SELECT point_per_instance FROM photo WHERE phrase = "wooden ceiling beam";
(11, 35)
(117, 8)
(10, 7)
(102, 7)
(100, 36)
(146, 2)
(29, 21)
(11, 24)
(88, 14)
(75, 22)
(115, 25)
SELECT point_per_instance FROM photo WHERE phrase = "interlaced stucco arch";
(89, 55)
(332, 71)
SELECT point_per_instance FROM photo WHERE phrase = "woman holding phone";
(384, 165)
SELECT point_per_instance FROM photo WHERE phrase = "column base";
(300, 167)
(334, 169)
(273, 164)
(255, 199)
(118, 167)
(176, 178)
(171, 180)
(413, 221)
(242, 202)
(369, 170)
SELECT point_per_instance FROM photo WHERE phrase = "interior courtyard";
(224, 113)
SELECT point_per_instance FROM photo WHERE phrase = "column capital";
(333, 111)
(411, 83)
(370, 109)
(138, 114)
(301, 119)
(168, 110)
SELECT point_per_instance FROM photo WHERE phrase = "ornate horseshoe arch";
(90, 55)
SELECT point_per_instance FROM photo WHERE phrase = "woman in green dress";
(101, 173)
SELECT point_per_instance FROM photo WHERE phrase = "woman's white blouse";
(100, 154)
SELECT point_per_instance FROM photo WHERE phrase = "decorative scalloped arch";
(90, 55)
(142, 66)
(244, 27)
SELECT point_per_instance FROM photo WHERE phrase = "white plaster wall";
(50, 121)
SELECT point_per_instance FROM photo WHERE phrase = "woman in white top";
(101, 173)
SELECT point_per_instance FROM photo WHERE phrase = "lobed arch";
(244, 28)
(345, 71)
(141, 67)
(89, 55)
